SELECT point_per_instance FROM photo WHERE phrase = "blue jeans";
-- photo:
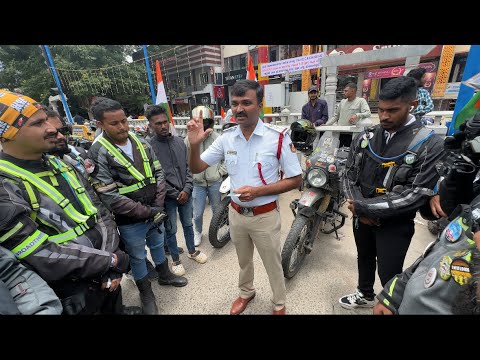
(186, 214)
(135, 236)
(200, 198)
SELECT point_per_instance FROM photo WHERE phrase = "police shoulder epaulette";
(277, 128)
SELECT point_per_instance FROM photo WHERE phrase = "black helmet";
(303, 134)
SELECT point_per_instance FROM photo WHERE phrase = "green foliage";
(106, 72)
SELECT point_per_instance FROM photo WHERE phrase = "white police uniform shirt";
(241, 158)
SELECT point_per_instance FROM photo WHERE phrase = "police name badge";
(453, 232)
(444, 267)
(430, 278)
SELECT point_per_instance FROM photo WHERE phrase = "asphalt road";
(328, 273)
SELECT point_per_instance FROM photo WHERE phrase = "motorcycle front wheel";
(293, 252)
(219, 230)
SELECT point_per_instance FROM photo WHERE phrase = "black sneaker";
(167, 252)
(357, 299)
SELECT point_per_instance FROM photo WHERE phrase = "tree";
(85, 71)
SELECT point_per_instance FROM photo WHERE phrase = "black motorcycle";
(317, 210)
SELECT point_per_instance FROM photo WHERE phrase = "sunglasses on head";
(64, 130)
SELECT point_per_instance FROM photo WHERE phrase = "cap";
(15, 110)
(312, 88)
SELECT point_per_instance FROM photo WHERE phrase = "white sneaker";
(198, 256)
(177, 268)
(197, 238)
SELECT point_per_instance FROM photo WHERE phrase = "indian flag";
(162, 98)
(251, 76)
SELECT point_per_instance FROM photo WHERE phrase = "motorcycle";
(317, 210)
(219, 229)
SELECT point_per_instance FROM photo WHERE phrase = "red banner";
(219, 92)
(394, 71)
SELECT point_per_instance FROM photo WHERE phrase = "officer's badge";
(410, 159)
(89, 165)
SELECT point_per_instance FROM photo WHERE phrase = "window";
(273, 54)
(187, 81)
(243, 61)
(236, 62)
(254, 55)
(204, 78)
(458, 67)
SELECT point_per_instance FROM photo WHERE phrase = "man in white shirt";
(350, 110)
(253, 153)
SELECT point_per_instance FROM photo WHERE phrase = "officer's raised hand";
(195, 131)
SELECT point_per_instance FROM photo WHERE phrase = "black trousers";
(386, 245)
(87, 298)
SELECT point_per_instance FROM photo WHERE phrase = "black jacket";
(173, 155)
(364, 174)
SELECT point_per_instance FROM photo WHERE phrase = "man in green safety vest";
(51, 218)
(130, 181)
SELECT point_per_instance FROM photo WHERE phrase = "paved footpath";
(328, 273)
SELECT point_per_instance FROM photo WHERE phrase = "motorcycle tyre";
(214, 224)
(290, 243)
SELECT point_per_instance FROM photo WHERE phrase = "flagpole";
(59, 85)
(149, 74)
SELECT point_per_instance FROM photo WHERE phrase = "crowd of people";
(73, 222)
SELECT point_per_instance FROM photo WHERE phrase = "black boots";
(152, 273)
(147, 297)
(165, 277)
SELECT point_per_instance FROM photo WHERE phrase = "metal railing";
(440, 117)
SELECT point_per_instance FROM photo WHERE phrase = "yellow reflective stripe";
(53, 180)
(44, 173)
(392, 285)
(156, 164)
(44, 187)
(69, 235)
(48, 224)
(31, 195)
(131, 188)
(146, 163)
(29, 244)
(11, 232)
(80, 190)
(121, 159)
(386, 302)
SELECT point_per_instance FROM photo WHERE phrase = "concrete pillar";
(360, 79)
(330, 88)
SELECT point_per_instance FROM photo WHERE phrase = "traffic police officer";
(254, 152)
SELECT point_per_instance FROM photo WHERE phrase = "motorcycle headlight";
(317, 177)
